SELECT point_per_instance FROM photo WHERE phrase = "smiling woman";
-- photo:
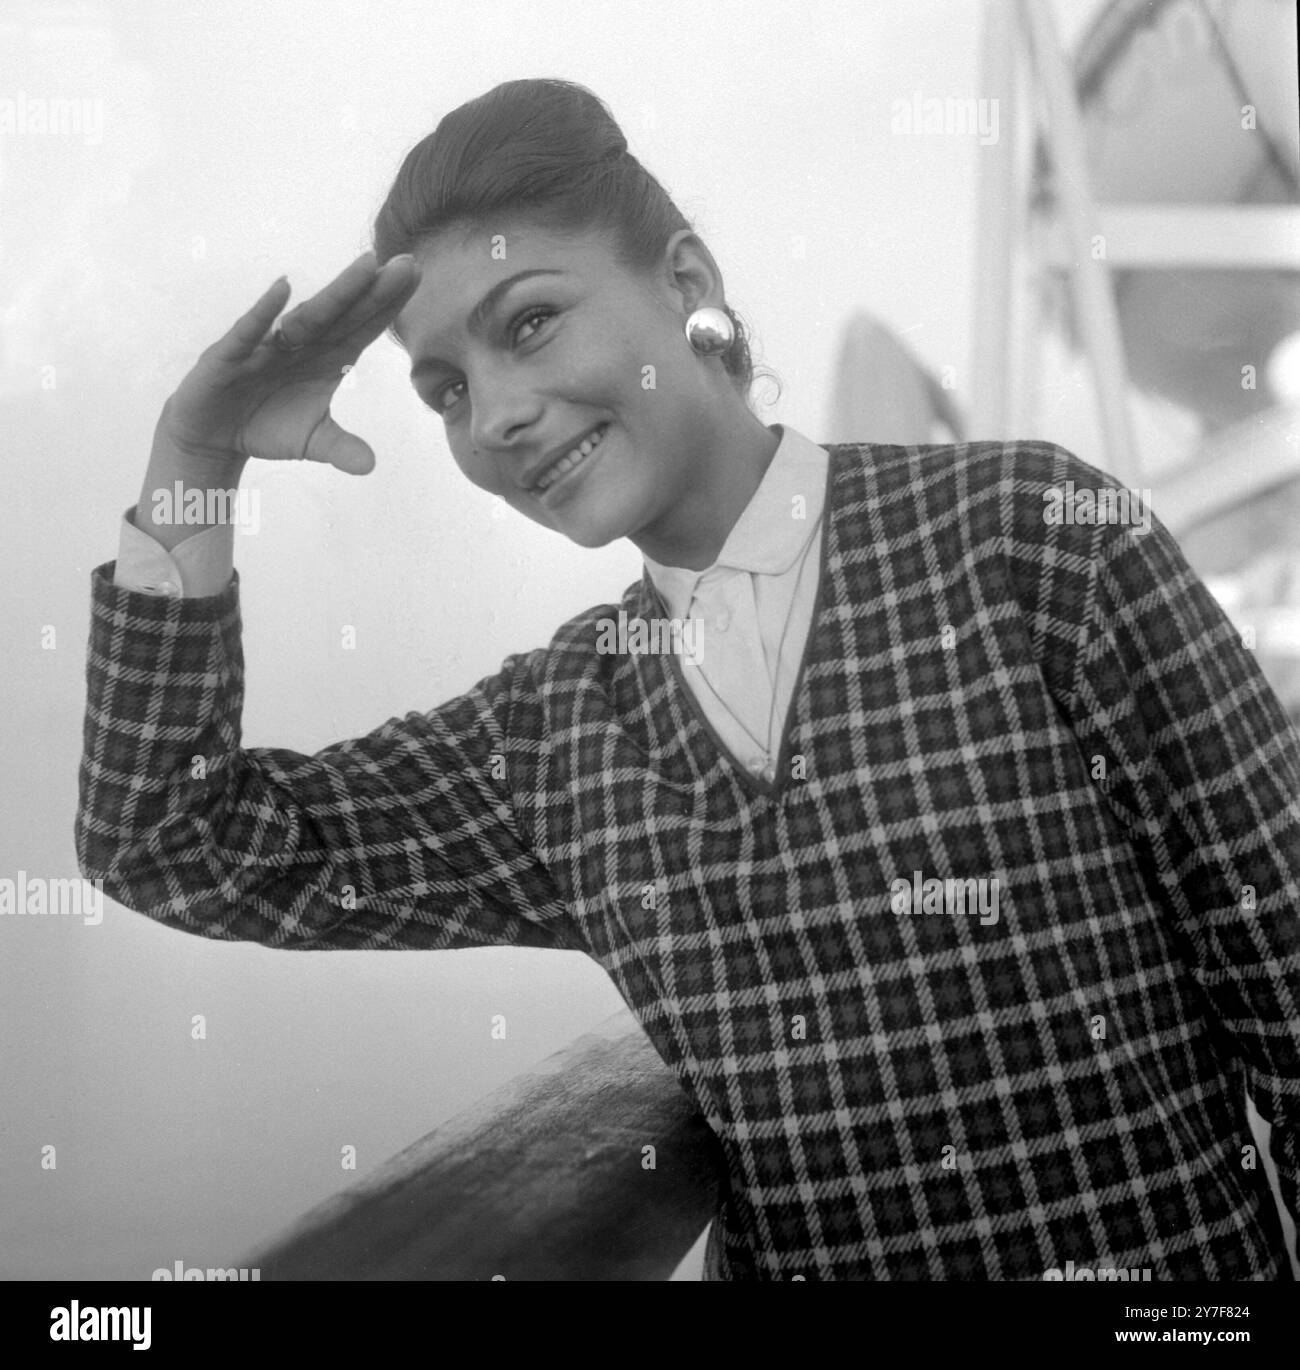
(567, 391)
(555, 278)
(906, 678)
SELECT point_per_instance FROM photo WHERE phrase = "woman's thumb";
(336, 446)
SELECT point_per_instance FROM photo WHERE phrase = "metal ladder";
(1022, 232)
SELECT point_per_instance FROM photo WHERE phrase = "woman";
(954, 870)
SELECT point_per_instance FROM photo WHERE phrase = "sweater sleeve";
(404, 838)
(1203, 765)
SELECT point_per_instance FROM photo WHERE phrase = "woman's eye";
(537, 312)
(536, 315)
(440, 404)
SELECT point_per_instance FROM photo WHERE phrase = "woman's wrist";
(185, 492)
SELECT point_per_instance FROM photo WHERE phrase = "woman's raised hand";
(248, 396)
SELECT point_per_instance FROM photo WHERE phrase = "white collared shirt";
(755, 604)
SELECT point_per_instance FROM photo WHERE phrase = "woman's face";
(531, 342)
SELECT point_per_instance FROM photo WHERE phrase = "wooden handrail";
(544, 1179)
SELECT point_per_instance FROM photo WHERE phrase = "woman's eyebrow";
(477, 317)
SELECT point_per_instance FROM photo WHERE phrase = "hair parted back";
(549, 149)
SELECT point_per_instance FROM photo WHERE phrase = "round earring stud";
(709, 331)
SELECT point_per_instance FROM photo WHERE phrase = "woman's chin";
(585, 518)
(591, 533)
(590, 522)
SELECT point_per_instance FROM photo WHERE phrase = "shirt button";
(170, 588)
(722, 622)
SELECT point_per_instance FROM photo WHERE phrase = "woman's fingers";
(249, 330)
(370, 313)
(314, 317)
(249, 397)
(352, 310)
(367, 319)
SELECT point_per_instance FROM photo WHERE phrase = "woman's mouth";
(578, 459)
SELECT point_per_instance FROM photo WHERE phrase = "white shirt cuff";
(199, 566)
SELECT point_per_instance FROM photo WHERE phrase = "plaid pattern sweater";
(900, 1093)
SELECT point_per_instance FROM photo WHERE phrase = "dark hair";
(549, 149)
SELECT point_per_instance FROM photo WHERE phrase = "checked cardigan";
(898, 1096)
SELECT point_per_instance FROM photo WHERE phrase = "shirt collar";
(765, 539)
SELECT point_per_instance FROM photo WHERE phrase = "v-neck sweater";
(1043, 1063)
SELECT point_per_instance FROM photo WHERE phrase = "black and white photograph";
(762, 542)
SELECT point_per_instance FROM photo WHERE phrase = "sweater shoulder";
(1023, 466)
(570, 656)
(980, 515)
(999, 495)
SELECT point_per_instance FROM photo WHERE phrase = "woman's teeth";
(571, 459)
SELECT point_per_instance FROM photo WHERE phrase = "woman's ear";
(691, 273)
